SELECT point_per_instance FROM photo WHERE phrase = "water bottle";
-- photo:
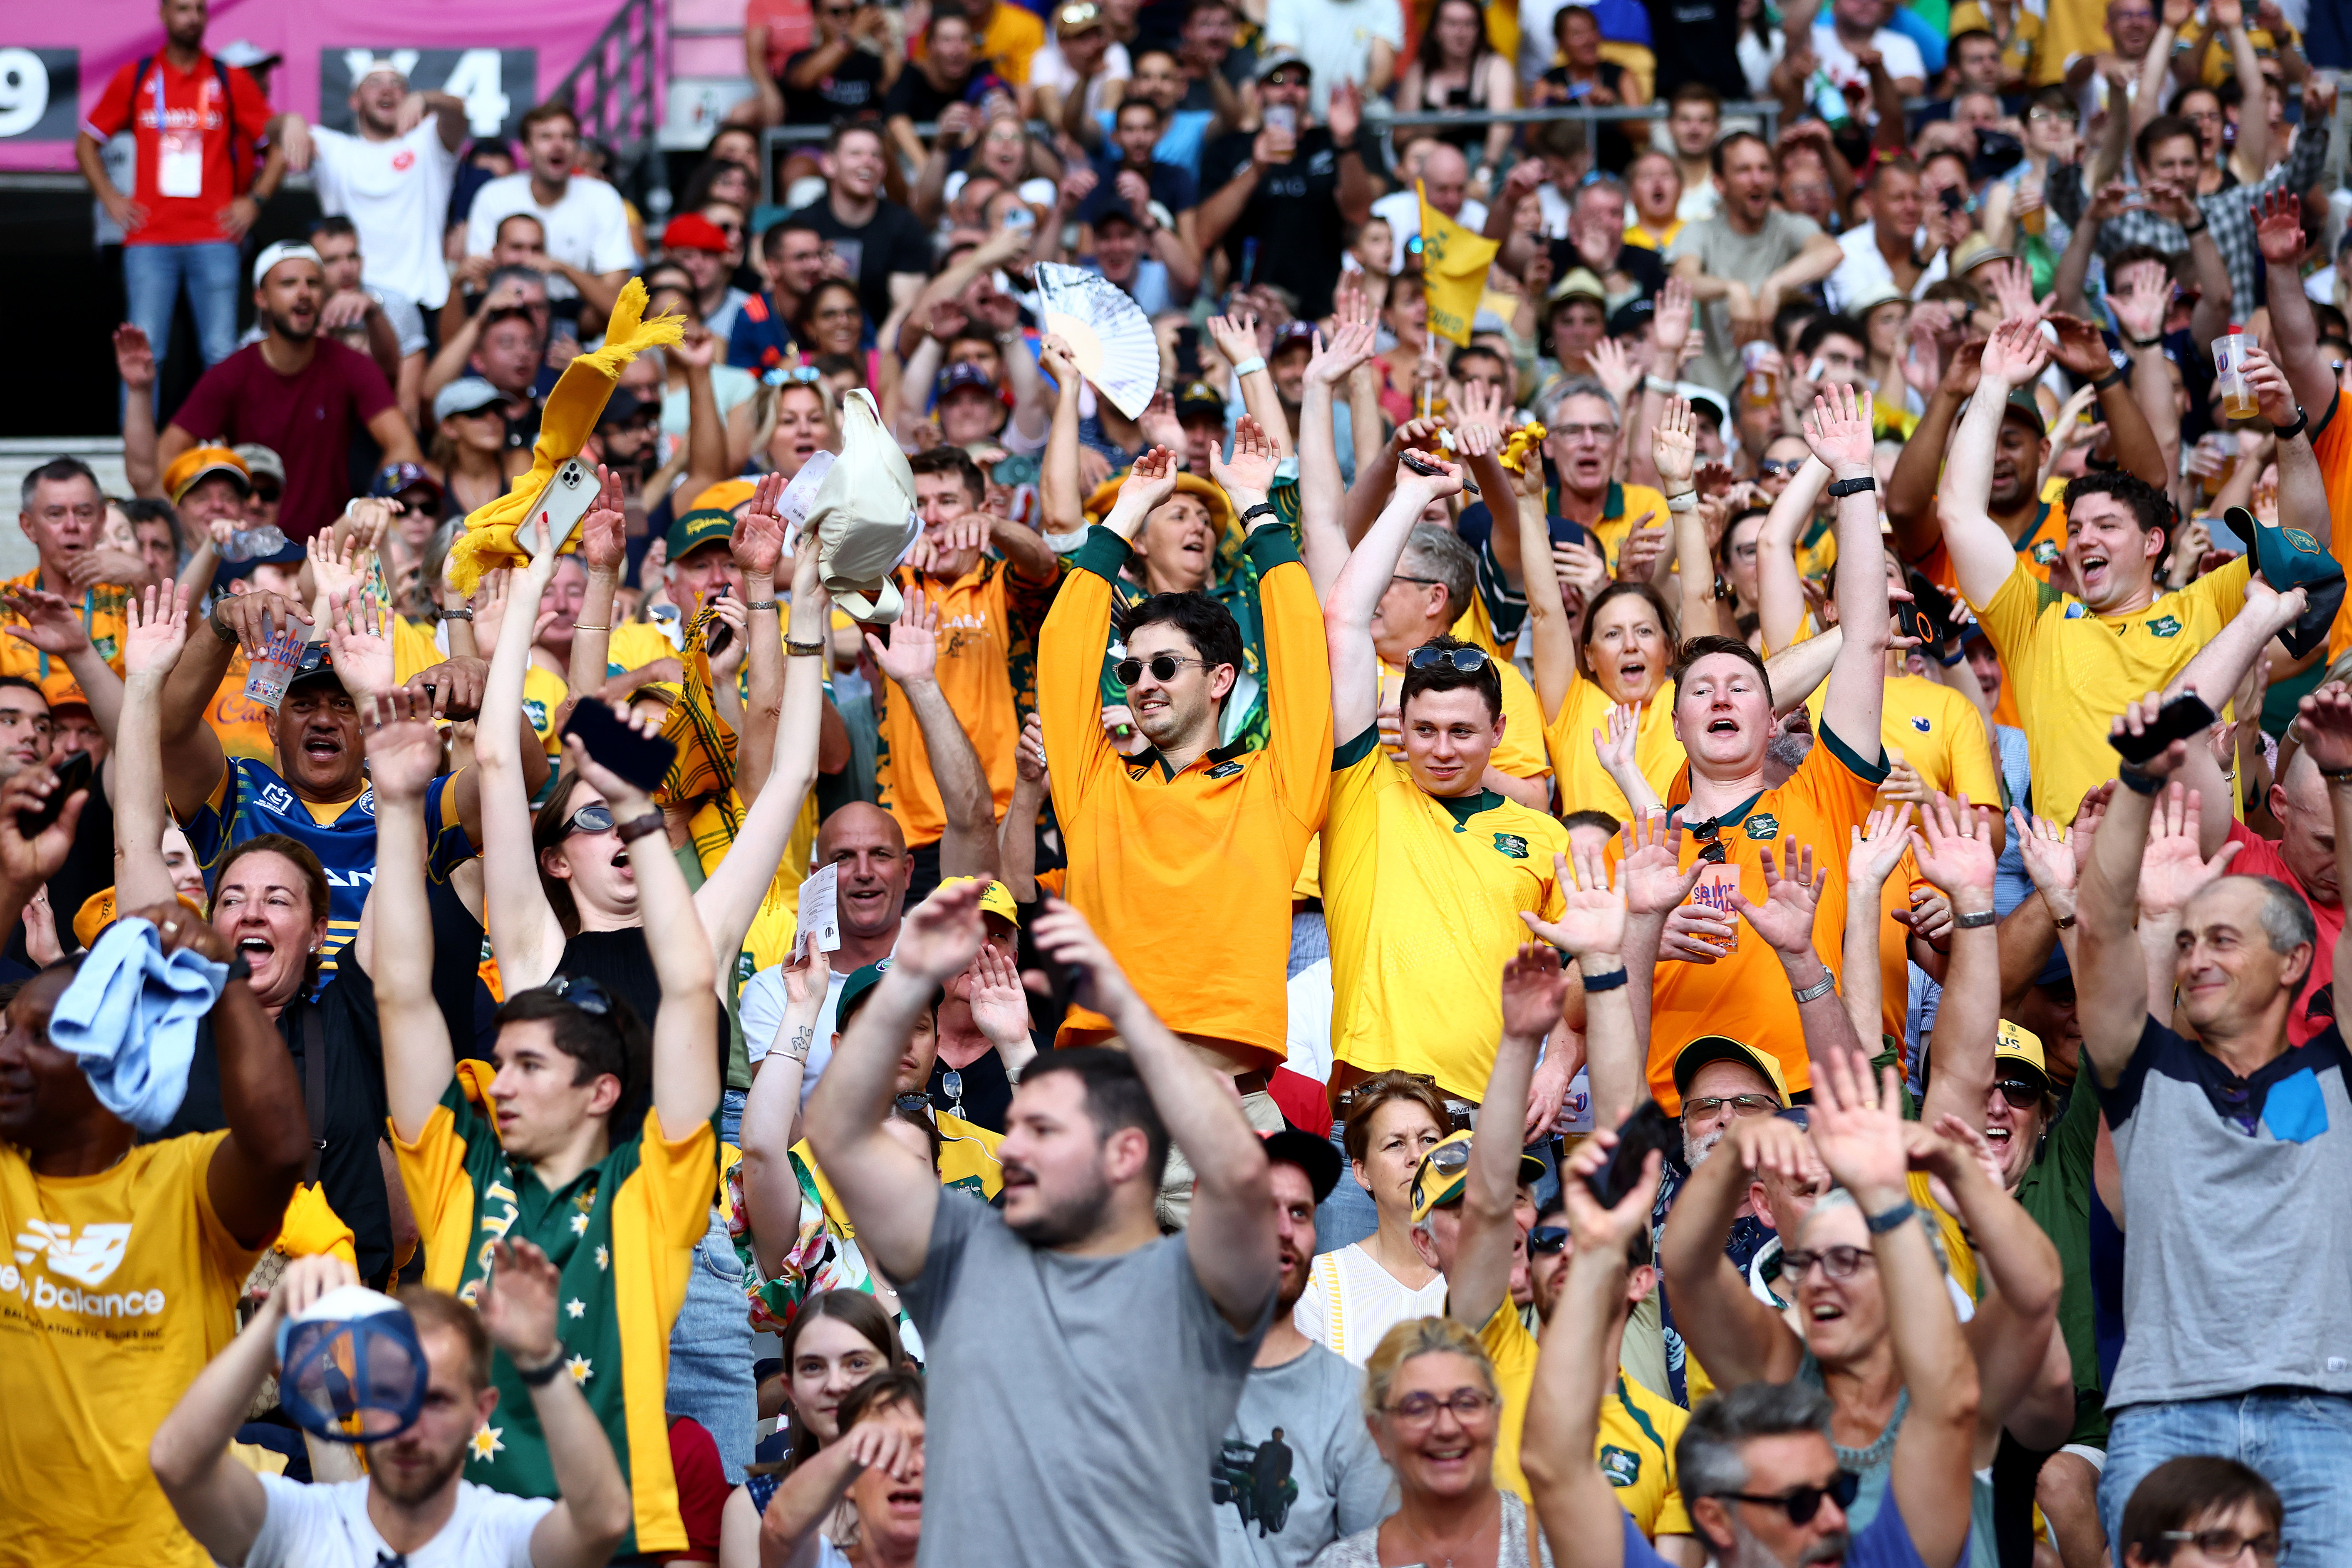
(251, 544)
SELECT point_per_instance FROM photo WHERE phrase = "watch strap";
(1976, 922)
(1880, 1224)
(643, 826)
(1861, 486)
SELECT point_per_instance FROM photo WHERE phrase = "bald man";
(864, 842)
(1444, 174)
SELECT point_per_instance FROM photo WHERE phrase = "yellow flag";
(1454, 263)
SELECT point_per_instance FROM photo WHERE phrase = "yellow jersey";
(1623, 507)
(1423, 897)
(1940, 733)
(2074, 671)
(967, 1160)
(1635, 1447)
(101, 609)
(544, 692)
(633, 644)
(2038, 544)
(121, 1288)
(1584, 784)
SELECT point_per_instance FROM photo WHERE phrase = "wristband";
(2289, 432)
(1263, 509)
(1596, 984)
(540, 1376)
(804, 649)
(2155, 342)
(1950, 661)
(1976, 922)
(2113, 378)
(464, 614)
(2065, 923)
(2138, 782)
(1880, 1224)
(1686, 501)
(2201, 226)
(220, 630)
(1818, 989)
(1659, 384)
(748, 604)
(1863, 486)
(643, 826)
(1251, 365)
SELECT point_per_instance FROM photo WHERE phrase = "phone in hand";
(643, 760)
(2185, 715)
(1649, 1128)
(73, 773)
(715, 641)
(561, 505)
(1421, 463)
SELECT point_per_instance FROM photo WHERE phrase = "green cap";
(2021, 407)
(699, 528)
(859, 986)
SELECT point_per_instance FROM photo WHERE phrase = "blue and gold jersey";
(251, 799)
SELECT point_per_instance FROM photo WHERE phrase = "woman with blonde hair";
(1434, 1407)
(1355, 1292)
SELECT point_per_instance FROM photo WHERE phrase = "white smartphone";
(562, 505)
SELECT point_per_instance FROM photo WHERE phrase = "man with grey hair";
(2222, 1141)
(1583, 426)
(1765, 1484)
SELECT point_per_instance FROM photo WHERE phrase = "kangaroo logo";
(90, 1260)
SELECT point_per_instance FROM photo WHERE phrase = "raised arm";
(1779, 587)
(1838, 433)
(604, 551)
(1322, 496)
(2110, 984)
(526, 937)
(1956, 853)
(2324, 725)
(1737, 1338)
(1480, 1283)
(1981, 555)
(756, 549)
(1061, 493)
(404, 756)
(1656, 886)
(1911, 488)
(256, 1167)
(1230, 1239)
(1872, 854)
(772, 1111)
(910, 658)
(2278, 229)
(153, 635)
(1236, 338)
(1355, 597)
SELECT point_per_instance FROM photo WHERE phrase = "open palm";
(2172, 872)
(1593, 918)
(1955, 849)
(2051, 860)
(1857, 1126)
(1650, 848)
(154, 630)
(1876, 846)
(1791, 894)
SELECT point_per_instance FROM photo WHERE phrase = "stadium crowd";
(1787, 673)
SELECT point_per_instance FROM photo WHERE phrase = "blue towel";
(130, 1017)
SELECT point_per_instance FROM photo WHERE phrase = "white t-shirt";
(1402, 209)
(396, 194)
(761, 1005)
(588, 228)
(1351, 1301)
(1864, 271)
(1048, 67)
(327, 1526)
(1334, 37)
(1842, 70)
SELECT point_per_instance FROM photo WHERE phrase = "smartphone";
(561, 505)
(1648, 1129)
(1951, 196)
(643, 760)
(720, 634)
(1420, 463)
(2184, 716)
(73, 773)
(1188, 352)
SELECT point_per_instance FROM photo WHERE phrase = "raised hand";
(359, 637)
(2134, 719)
(727, 662)
(403, 750)
(135, 358)
(1616, 369)
(1427, 488)
(2081, 350)
(2138, 295)
(2052, 859)
(28, 863)
(1857, 1128)
(1350, 344)
(1838, 430)
(1675, 446)
(1649, 849)
(1054, 354)
(2272, 394)
(1029, 761)
(1670, 323)
(1061, 934)
(1151, 480)
(757, 544)
(605, 531)
(2324, 725)
(1875, 848)
(50, 623)
(1616, 747)
(1533, 984)
(1954, 850)
(999, 1006)
(155, 628)
(912, 654)
(1593, 918)
(516, 1302)
(1158, 422)
(807, 973)
(1963, 369)
(1792, 891)
(1643, 547)
(1236, 336)
(2172, 872)
(625, 800)
(1248, 474)
(2014, 354)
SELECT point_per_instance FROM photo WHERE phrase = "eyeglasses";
(596, 818)
(1467, 1405)
(1772, 465)
(1163, 667)
(581, 991)
(1468, 660)
(2020, 1092)
(1837, 1262)
(2224, 1545)
(16, 719)
(1547, 1239)
(1801, 1503)
(1706, 1105)
(1572, 434)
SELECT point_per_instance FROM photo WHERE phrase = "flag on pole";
(1454, 263)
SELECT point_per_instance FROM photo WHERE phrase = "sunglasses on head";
(1163, 667)
(793, 375)
(593, 818)
(1468, 660)
(581, 990)
(1547, 1239)
(1802, 1503)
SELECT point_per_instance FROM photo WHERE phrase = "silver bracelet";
(1686, 501)
(1818, 989)
(797, 1049)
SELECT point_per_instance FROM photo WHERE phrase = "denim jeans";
(2300, 1442)
(730, 1116)
(710, 1353)
(1348, 1215)
(152, 278)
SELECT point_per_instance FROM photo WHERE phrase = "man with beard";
(296, 393)
(394, 184)
(793, 259)
(1069, 1298)
(1301, 1416)
(1747, 259)
(414, 1500)
(586, 220)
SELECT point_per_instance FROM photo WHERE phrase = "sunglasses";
(1710, 844)
(1547, 1239)
(1468, 660)
(1803, 1502)
(597, 818)
(793, 375)
(1772, 465)
(1077, 16)
(1448, 1159)
(1163, 667)
(2021, 1094)
(266, 493)
(1837, 1262)
(581, 990)
(2224, 1545)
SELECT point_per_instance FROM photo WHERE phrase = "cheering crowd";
(1631, 850)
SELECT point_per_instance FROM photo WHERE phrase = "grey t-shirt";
(1724, 252)
(1074, 1401)
(1298, 1469)
(2233, 1279)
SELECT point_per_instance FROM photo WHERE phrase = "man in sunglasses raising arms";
(1185, 855)
(1427, 865)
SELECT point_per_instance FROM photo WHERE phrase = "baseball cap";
(260, 462)
(620, 408)
(1439, 1178)
(1269, 63)
(1696, 393)
(995, 899)
(200, 462)
(351, 1368)
(316, 664)
(1581, 280)
(956, 377)
(284, 250)
(860, 985)
(1289, 1146)
(692, 231)
(2022, 407)
(1292, 334)
(1724, 1048)
(394, 478)
(698, 528)
(2292, 558)
(377, 65)
(467, 395)
(1631, 318)
(725, 496)
(2022, 1049)
(1199, 400)
(245, 55)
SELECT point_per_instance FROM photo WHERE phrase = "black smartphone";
(1951, 196)
(643, 760)
(720, 634)
(1648, 1129)
(1420, 462)
(2184, 716)
(1188, 352)
(73, 773)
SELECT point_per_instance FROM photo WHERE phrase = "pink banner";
(55, 60)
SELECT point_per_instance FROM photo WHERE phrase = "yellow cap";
(2021, 1048)
(196, 463)
(1724, 1048)
(996, 900)
(724, 496)
(97, 913)
(1439, 1178)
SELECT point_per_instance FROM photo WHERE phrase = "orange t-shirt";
(2331, 443)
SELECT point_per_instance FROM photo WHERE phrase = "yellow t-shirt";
(1938, 732)
(1635, 1447)
(120, 1287)
(101, 609)
(2073, 671)
(543, 692)
(1584, 784)
(967, 1160)
(2220, 67)
(2021, 53)
(1423, 897)
(633, 644)
(1625, 506)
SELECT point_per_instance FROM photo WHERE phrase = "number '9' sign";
(38, 94)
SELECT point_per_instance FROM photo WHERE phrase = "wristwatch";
(643, 826)
(1853, 486)
(1819, 988)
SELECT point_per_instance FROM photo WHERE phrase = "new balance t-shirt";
(327, 1526)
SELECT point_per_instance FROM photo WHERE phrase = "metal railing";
(617, 91)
